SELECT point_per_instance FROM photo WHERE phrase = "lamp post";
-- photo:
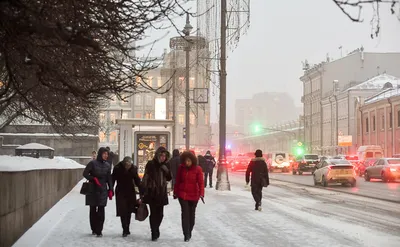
(335, 94)
(186, 31)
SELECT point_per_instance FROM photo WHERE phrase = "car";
(307, 163)
(335, 171)
(364, 165)
(387, 169)
(240, 162)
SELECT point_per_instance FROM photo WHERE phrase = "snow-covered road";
(293, 216)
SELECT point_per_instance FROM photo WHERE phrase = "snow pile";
(21, 163)
(377, 82)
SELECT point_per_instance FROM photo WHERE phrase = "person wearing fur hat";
(258, 171)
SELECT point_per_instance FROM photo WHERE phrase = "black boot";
(187, 238)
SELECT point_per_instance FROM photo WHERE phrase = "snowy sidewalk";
(291, 217)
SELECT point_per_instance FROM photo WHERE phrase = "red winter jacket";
(189, 184)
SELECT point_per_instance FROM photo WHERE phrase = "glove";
(96, 181)
(110, 194)
(165, 168)
(202, 199)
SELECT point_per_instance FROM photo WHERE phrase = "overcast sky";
(282, 34)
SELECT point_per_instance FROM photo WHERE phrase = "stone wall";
(26, 196)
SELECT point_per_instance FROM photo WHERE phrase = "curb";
(336, 190)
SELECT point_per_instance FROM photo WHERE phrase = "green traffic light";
(299, 151)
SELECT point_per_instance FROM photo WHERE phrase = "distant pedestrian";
(202, 162)
(156, 176)
(258, 170)
(110, 157)
(174, 164)
(98, 172)
(126, 176)
(209, 168)
(189, 189)
(94, 155)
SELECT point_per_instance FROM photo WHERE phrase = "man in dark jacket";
(156, 176)
(258, 170)
(202, 162)
(174, 163)
(98, 172)
(126, 176)
(209, 168)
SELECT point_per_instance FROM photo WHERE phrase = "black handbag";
(264, 181)
(142, 212)
(87, 188)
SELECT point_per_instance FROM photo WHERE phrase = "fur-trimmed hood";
(258, 159)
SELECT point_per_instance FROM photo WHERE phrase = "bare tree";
(60, 59)
(347, 6)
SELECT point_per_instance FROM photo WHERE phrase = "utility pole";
(187, 29)
(174, 98)
(222, 175)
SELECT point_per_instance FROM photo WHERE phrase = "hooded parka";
(101, 170)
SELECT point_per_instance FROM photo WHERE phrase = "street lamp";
(186, 31)
(335, 94)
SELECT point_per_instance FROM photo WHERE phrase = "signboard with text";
(146, 145)
(345, 141)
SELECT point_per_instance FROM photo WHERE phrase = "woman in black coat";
(126, 176)
(98, 172)
(156, 175)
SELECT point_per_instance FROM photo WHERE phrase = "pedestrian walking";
(156, 176)
(126, 175)
(111, 155)
(209, 168)
(258, 170)
(202, 162)
(94, 155)
(174, 163)
(98, 172)
(189, 189)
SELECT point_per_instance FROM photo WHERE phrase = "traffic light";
(299, 149)
(257, 129)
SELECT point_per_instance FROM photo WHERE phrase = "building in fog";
(355, 68)
(265, 109)
(145, 104)
(346, 112)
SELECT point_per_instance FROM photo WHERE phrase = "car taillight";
(329, 167)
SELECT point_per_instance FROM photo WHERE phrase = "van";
(369, 151)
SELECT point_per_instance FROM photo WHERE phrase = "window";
(149, 100)
(138, 115)
(367, 125)
(383, 123)
(181, 119)
(102, 137)
(112, 117)
(102, 117)
(398, 118)
(124, 115)
(149, 115)
(373, 123)
(159, 82)
(181, 82)
(113, 137)
(192, 119)
(206, 119)
(191, 82)
(138, 100)
(124, 99)
(390, 120)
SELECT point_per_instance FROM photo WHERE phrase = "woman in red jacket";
(189, 188)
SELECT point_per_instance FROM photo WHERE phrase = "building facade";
(318, 85)
(261, 109)
(378, 121)
(340, 110)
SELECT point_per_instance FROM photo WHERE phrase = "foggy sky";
(282, 34)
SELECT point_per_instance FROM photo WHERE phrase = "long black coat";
(125, 193)
(258, 170)
(102, 171)
(155, 180)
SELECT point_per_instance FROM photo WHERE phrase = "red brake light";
(329, 167)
